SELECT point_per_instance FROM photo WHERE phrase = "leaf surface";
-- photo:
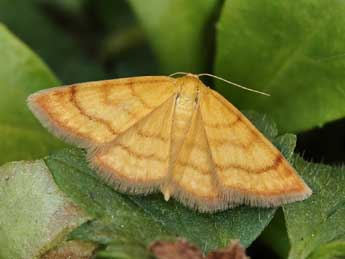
(288, 49)
(34, 214)
(317, 224)
(177, 30)
(21, 73)
(37, 23)
(333, 250)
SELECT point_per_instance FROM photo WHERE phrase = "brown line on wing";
(73, 99)
(275, 164)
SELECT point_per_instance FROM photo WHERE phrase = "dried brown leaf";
(175, 250)
(233, 251)
(183, 250)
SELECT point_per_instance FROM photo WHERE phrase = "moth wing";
(249, 169)
(193, 179)
(138, 159)
(94, 113)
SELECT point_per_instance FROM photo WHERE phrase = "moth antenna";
(179, 73)
(232, 83)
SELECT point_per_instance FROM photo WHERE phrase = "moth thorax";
(184, 109)
(189, 86)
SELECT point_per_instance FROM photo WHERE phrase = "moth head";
(189, 85)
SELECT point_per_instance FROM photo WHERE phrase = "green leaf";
(21, 73)
(320, 220)
(177, 30)
(334, 250)
(116, 15)
(125, 250)
(275, 235)
(34, 214)
(141, 219)
(72, 6)
(124, 48)
(72, 249)
(50, 40)
(291, 49)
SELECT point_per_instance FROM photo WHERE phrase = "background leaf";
(61, 45)
(179, 31)
(38, 216)
(73, 6)
(73, 249)
(127, 250)
(275, 235)
(124, 48)
(21, 73)
(332, 250)
(318, 222)
(291, 49)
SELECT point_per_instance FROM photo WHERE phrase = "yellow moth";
(176, 135)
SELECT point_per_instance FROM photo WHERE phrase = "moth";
(176, 135)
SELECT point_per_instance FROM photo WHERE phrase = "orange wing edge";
(234, 196)
(201, 204)
(124, 185)
(47, 122)
(267, 201)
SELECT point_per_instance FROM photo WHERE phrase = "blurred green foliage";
(284, 48)
(179, 32)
